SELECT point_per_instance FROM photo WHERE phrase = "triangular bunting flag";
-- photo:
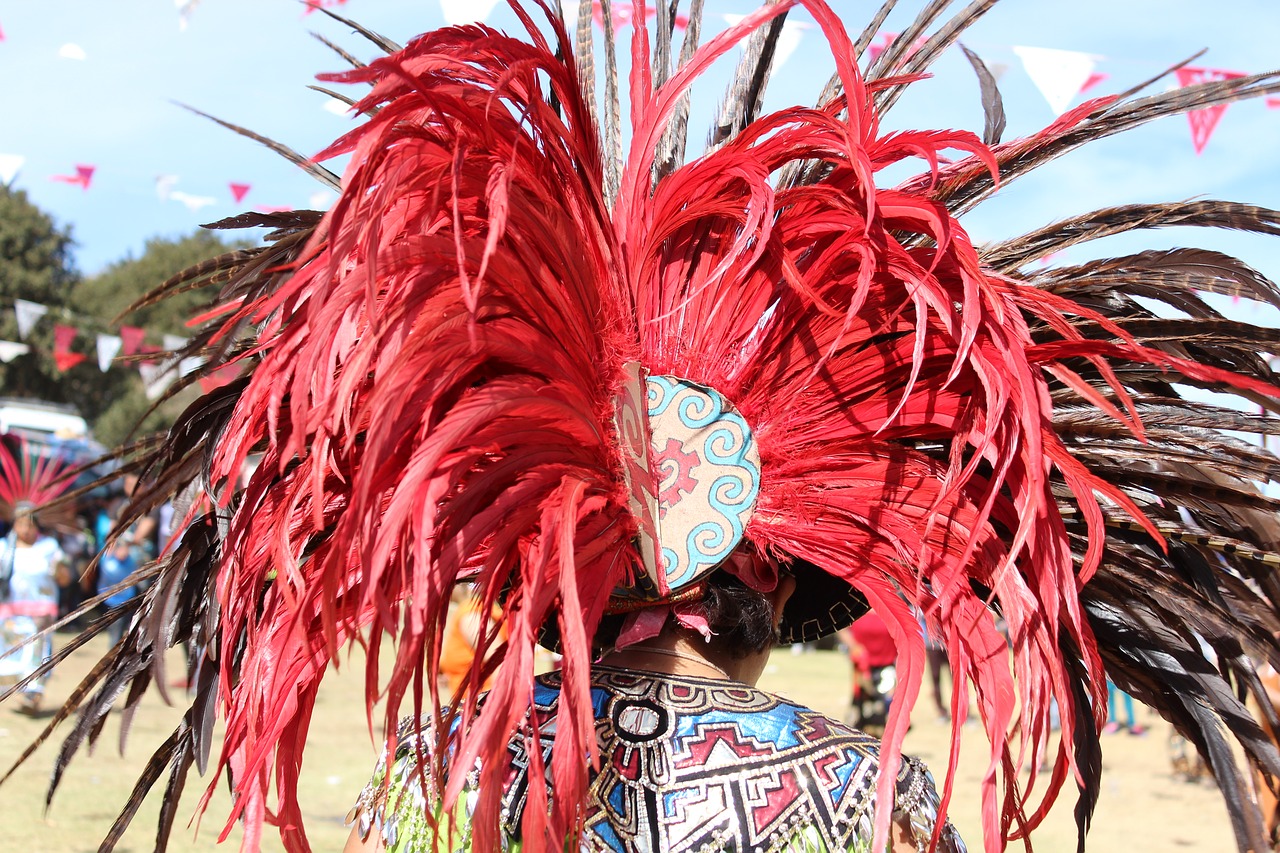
(1094, 79)
(623, 12)
(108, 349)
(9, 350)
(71, 50)
(132, 338)
(312, 5)
(173, 343)
(9, 166)
(1204, 121)
(189, 365)
(466, 11)
(83, 175)
(1, 33)
(877, 47)
(63, 357)
(155, 379)
(1060, 75)
(165, 185)
(185, 8)
(1273, 103)
(64, 337)
(193, 202)
(27, 314)
(219, 377)
(239, 191)
(883, 40)
(64, 361)
(321, 199)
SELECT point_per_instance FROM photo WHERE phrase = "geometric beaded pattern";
(692, 764)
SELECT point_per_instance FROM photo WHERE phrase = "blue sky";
(249, 61)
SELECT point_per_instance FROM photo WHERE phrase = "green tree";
(35, 264)
(118, 400)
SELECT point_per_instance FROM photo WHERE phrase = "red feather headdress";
(29, 478)
(434, 369)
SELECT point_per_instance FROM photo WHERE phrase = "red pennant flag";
(83, 175)
(883, 40)
(63, 357)
(622, 13)
(64, 361)
(1, 33)
(147, 349)
(312, 5)
(219, 377)
(239, 191)
(1094, 79)
(63, 337)
(1203, 121)
(132, 337)
(1273, 103)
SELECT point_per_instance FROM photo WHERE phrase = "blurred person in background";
(32, 569)
(116, 564)
(873, 655)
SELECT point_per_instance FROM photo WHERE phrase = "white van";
(40, 420)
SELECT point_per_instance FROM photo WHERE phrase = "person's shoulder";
(818, 729)
(49, 546)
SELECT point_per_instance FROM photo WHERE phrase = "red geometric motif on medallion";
(675, 469)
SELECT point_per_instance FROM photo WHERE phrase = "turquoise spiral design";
(709, 429)
(660, 391)
(698, 410)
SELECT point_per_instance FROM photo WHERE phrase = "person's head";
(743, 621)
(25, 527)
(123, 547)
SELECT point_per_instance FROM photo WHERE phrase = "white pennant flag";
(788, 39)
(466, 11)
(1058, 74)
(9, 166)
(108, 349)
(189, 364)
(321, 199)
(9, 350)
(165, 185)
(173, 343)
(155, 379)
(28, 314)
(185, 8)
(193, 202)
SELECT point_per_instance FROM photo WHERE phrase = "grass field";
(1143, 806)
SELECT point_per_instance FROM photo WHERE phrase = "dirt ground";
(1144, 806)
